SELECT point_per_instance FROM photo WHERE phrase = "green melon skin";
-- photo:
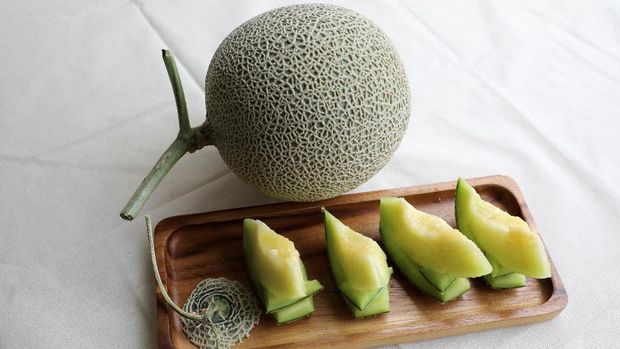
(513, 250)
(274, 303)
(306, 102)
(362, 302)
(379, 305)
(502, 277)
(286, 310)
(510, 280)
(294, 312)
(441, 281)
(282, 310)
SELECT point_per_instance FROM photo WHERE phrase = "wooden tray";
(194, 247)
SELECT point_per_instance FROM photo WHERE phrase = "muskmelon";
(304, 102)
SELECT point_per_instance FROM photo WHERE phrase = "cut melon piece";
(359, 267)
(431, 242)
(277, 272)
(432, 255)
(506, 239)
(274, 260)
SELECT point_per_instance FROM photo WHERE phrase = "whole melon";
(306, 102)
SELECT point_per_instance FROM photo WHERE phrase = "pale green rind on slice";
(273, 303)
(457, 289)
(501, 236)
(359, 299)
(431, 242)
(379, 305)
(511, 280)
(412, 272)
(358, 264)
(294, 312)
(498, 269)
(441, 281)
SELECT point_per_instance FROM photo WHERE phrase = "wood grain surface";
(194, 247)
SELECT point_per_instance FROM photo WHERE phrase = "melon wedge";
(431, 242)
(278, 273)
(505, 239)
(413, 273)
(433, 256)
(274, 260)
(359, 267)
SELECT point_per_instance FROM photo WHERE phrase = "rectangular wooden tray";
(194, 247)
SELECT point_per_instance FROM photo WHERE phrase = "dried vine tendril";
(219, 313)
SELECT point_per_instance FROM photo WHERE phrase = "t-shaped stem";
(186, 141)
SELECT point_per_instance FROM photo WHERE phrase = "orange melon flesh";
(430, 242)
(508, 239)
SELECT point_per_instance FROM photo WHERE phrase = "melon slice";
(507, 240)
(413, 273)
(432, 255)
(431, 242)
(277, 272)
(359, 267)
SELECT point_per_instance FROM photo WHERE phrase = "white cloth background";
(530, 89)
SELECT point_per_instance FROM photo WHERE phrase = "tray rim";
(548, 310)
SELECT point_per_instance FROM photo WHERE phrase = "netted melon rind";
(225, 327)
(306, 102)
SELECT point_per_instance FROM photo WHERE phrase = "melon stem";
(175, 151)
(186, 141)
(177, 89)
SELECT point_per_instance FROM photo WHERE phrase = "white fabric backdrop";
(525, 88)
